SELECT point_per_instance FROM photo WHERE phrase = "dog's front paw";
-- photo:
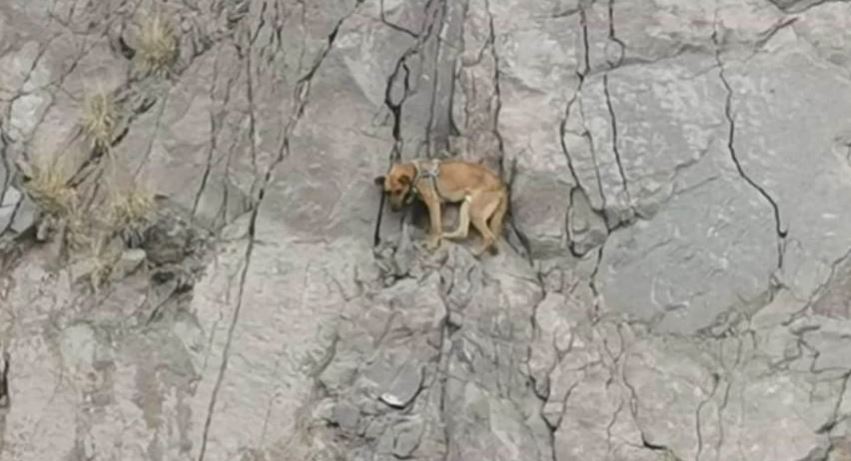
(432, 243)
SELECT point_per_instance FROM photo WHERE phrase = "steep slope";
(187, 268)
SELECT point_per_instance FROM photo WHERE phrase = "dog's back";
(459, 174)
(463, 178)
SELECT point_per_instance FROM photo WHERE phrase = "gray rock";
(25, 216)
(834, 299)
(11, 198)
(220, 203)
(586, 228)
(347, 416)
(673, 284)
(127, 263)
(404, 386)
(794, 6)
(407, 438)
(17, 211)
(539, 217)
(684, 256)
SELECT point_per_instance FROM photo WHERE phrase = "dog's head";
(397, 184)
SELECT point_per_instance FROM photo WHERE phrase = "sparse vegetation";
(131, 210)
(99, 118)
(102, 214)
(94, 225)
(157, 48)
(48, 187)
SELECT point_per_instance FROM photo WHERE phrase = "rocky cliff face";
(187, 212)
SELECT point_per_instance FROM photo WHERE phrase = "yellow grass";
(131, 209)
(157, 48)
(48, 187)
(99, 118)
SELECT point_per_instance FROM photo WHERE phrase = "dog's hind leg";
(463, 221)
(480, 211)
(496, 221)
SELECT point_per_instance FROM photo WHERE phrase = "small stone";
(392, 400)
(404, 386)
(25, 217)
(11, 198)
(129, 261)
(17, 210)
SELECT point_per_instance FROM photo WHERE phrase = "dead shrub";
(99, 119)
(130, 210)
(157, 48)
(48, 187)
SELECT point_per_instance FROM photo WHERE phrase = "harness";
(423, 169)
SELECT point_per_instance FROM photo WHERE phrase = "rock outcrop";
(672, 283)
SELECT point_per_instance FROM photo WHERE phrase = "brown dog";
(482, 194)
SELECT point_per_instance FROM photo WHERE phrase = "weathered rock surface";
(673, 281)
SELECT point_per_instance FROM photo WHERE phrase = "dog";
(482, 194)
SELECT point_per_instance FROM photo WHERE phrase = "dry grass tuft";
(80, 230)
(157, 49)
(99, 119)
(131, 211)
(48, 187)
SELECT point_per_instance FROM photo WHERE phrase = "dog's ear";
(379, 181)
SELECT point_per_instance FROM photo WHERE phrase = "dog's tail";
(496, 223)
